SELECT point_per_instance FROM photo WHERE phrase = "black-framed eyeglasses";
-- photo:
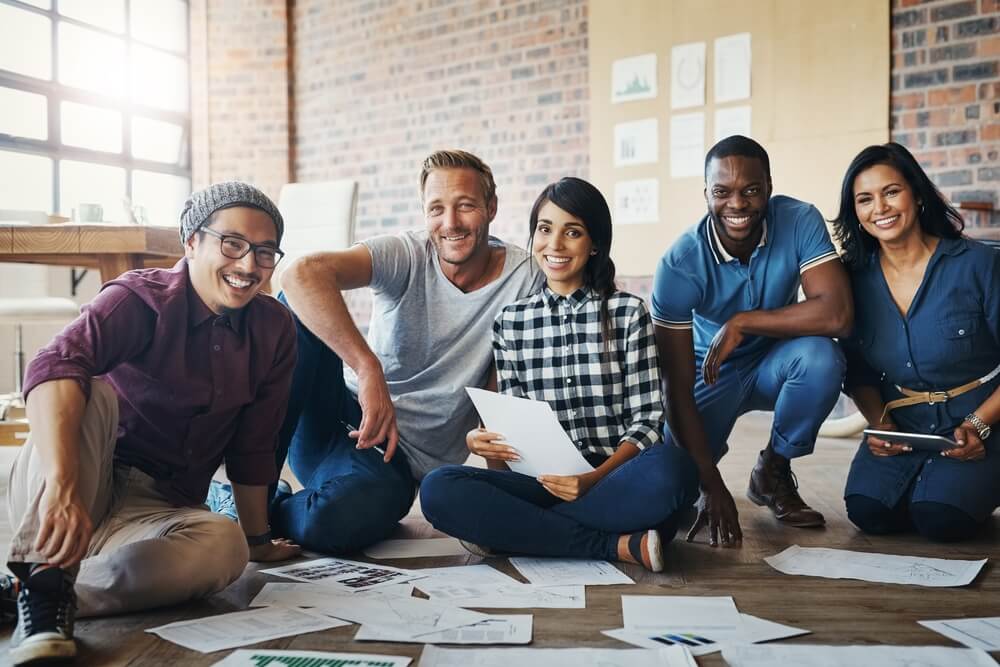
(236, 247)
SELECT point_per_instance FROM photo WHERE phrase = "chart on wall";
(633, 78)
(637, 201)
(636, 142)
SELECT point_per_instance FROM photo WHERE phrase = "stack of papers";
(701, 624)
(879, 568)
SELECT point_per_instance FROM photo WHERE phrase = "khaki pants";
(145, 552)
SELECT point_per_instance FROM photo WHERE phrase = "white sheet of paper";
(633, 78)
(411, 617)
(673, 656)
(637, 201)
(732, 67)
(881, 568)
(257, 657)
(732, 120)
(509, 596)
(499, 629)
(239, 628)
(434, 546)
(345, 573)
(637, 142)
(701, 619)
(687, 75)
(756, 630)
(532, 428)
(480, 574)
(981, 633)
(802, 655)
(569, 571)
(311, 595)
(687, 145)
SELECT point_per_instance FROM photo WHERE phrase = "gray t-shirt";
(434, 340)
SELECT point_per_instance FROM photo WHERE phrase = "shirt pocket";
(957, 335)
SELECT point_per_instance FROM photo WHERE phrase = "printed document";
(674, 656)
(258, 657)
(981, 633)
(530, 427)
(569, 571)
(344, 573)
(880, 568)
(498, 629)
(800, 655)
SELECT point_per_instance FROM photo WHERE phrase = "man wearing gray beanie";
(196, 365)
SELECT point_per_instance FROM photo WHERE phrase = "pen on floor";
(355, 428)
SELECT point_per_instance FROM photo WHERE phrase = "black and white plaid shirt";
(549, 347)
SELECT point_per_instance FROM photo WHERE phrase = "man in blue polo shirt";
(732, 338)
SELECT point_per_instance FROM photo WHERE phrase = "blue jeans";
(797, 378)
(351, 497)
(513, 513)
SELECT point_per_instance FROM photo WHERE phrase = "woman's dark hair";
(582, 200)
(936, 216)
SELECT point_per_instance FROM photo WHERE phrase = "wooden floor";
(837, 611)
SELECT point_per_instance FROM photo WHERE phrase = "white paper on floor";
(879, 568)
(346, 573)
(239, 628)
(498, 629)
(981, 633)
(800, 655)
(462, 575)
(412, 617)
(756, 630)
(569, 572)
(423, 548)
(257, 657)
(509, 596)
(673, 656)
(310, 595)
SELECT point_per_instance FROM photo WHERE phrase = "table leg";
(113, 265)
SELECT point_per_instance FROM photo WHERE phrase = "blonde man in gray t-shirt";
(367, 419)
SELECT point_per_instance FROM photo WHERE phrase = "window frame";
(56, 93)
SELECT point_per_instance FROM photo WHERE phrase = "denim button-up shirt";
(949, 336)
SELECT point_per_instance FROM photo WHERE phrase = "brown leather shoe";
(773, 484)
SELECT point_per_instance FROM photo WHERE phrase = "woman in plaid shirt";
(588, 350)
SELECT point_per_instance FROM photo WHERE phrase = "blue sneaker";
(220, 500)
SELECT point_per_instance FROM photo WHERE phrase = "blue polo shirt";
(949, 336)
(699, 285)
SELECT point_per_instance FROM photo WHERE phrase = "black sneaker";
(46, 607)
(9, 588)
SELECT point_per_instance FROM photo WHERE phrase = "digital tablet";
(922, 441)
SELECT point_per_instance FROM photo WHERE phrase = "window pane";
(25, 42)
(162, 195)
(158, 79)
(88, 59)
(25, 181)
(43, 4)
(91, 127)
(23, 114)
(88, 183)
(157, 140)
(161, 23)
(107, 14)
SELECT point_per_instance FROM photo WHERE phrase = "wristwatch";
(982, 427)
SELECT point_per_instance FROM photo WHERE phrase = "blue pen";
(355, 428)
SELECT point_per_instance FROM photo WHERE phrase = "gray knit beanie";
(200, 206)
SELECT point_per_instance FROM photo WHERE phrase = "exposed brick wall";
(378, 86)
(239, 92)
(946, 95)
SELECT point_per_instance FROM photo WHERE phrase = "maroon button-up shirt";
(193, 388)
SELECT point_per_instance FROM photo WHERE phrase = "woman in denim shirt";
(927, 328)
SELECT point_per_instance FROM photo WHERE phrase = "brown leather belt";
(932, 397)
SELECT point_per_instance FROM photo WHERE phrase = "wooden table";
(112, 248)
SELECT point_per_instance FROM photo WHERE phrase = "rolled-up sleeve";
(250, 454)
(643, 393)
(113, 328)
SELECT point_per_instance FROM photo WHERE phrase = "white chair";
(39, 310)
(318, 216)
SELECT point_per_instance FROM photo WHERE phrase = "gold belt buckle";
(937, 397)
